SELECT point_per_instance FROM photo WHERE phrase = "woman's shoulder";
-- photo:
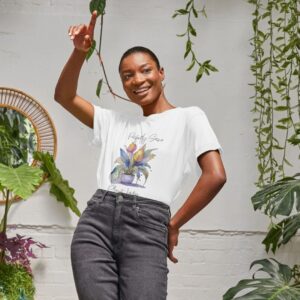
(193, 110)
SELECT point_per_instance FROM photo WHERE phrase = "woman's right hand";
(83, 35)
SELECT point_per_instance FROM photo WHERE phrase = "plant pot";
(127, 178)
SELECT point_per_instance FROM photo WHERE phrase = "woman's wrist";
(80, 52)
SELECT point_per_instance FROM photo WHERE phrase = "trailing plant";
(277, 97)
(189, 12)
(276, 68)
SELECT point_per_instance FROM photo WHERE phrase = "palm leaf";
(59, 187)
(22, 180)
(279, 284)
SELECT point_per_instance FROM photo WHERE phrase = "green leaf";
(188, 4)
(203, 12)
(278, 198)
(59, 187)
(200, 73)
(195, 12)
(182, 11)
(281, 233)
(99, 85)
(281, 108)
(188, 48)
(277, 284)
(192, 29)
(182, 34)
(98, 5)
(212, 68)
(91, 50)
(191, 65)
(22, 181)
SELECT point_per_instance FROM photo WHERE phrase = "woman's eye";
(147, 70)
(127, 76)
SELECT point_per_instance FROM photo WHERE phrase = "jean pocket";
(94, 201)
(153, 218)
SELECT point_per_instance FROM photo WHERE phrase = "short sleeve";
(101, 123)
(200, 134)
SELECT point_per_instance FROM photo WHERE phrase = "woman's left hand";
(173, 234)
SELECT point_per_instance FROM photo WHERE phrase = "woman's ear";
(162, 73)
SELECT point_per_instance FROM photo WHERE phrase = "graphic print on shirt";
(133, 166)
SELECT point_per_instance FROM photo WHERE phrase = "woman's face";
(141, 78)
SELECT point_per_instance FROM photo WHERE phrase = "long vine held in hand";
(99, 6)
(189, 11)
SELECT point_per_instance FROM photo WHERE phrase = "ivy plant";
(276, 70)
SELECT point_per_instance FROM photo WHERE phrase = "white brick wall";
(209, 262)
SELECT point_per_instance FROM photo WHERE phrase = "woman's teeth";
(140, 91)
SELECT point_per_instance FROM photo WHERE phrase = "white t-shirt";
(150, 156)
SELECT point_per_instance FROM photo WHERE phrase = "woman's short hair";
(139, 49)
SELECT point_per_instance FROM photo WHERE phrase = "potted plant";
(19, 180)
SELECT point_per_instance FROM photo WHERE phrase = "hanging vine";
(276, 64)
(204, 68)
(276, 69)
(190, 11)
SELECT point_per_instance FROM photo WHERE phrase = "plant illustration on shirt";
(132, 164)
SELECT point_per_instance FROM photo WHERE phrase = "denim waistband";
(101, 193)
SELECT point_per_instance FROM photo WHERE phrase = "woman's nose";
(138, 79)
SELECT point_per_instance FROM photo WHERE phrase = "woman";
(124, 236)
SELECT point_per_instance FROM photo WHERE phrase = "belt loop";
(119, 197)
(102, 198)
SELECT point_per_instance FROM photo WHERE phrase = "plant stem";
(2, 254)
(102, 64)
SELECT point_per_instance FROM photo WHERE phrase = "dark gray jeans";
(119, 248)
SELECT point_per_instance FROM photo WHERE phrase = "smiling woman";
(142, 164)
(142, 78)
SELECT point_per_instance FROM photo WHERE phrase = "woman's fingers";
(92, 24)
(172, 241)
(171, 256)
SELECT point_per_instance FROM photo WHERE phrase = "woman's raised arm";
(66, 87)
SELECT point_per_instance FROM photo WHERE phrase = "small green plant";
(15, 283)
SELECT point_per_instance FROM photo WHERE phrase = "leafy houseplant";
(276, 68)
(19, 179)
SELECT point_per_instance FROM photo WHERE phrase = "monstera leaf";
(22, 180)
(282, 232)
(59, 187)
(279, 198)
(279, 284)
